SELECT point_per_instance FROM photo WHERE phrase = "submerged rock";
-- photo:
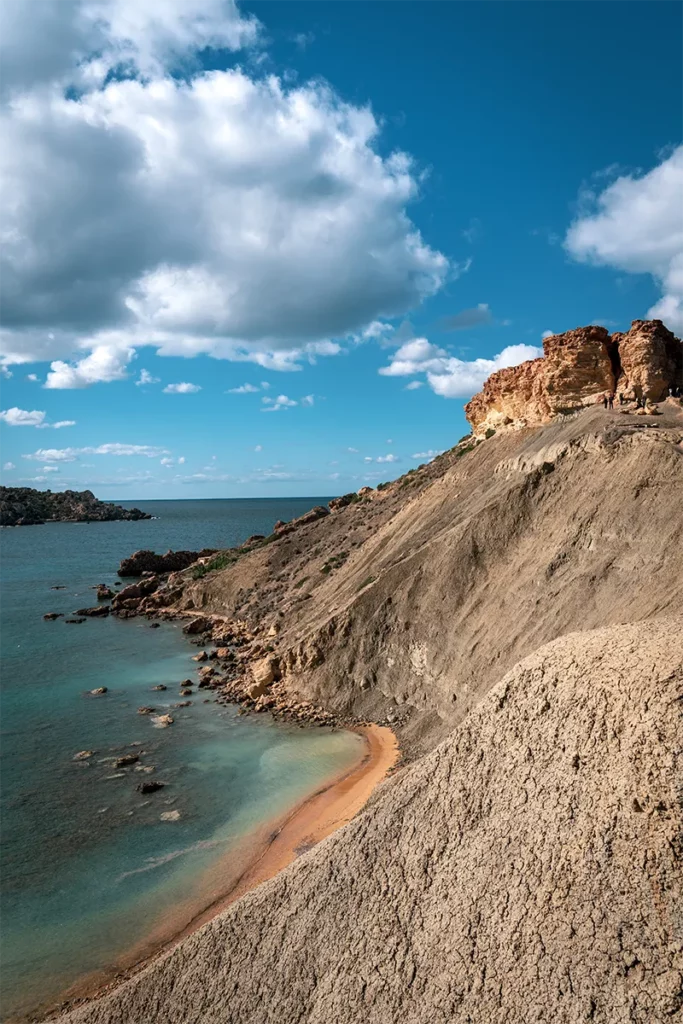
(51, 616)
(83, 755)
(150, 787)
(169, 816)
(98, 691)
(162, 721)
(145, 710)
(99, 611)
(127, 759)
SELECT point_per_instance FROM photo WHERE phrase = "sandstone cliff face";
(651, 360)
(528, 869)
(576, 370)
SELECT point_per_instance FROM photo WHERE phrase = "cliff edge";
(577, 368)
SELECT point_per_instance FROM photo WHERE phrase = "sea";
(91, 868)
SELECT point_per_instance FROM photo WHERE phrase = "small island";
(25, 506)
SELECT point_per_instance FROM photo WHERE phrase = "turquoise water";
(89, 868)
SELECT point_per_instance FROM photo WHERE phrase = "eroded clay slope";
(526, 537)
(527, 870)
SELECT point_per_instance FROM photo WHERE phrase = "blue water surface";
(89, 868)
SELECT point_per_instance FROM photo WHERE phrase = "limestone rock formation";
(651, 360)
(577, 368)
(148, 561)
(528, 869)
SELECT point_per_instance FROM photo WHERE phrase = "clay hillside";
(513, 610)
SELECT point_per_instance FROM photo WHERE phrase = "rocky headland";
(512, 611)
(24, 506)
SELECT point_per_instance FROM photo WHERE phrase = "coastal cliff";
(512, 611)
(24, 506)
(577, 368)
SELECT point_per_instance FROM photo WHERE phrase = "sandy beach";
(265, 854)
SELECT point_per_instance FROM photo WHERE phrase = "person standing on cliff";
(611, 400)
(604, 400)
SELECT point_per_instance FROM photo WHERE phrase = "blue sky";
(356, 210)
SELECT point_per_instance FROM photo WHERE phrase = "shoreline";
(273, 847)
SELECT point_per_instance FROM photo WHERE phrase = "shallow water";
(89, 869)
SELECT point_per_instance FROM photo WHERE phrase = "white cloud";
(33, 377)
(146, 378)
(265, 385)
(167, 462)
(243, 389)
(15, 417)
(547, 334)
(181, 460)
(182, 389)
(382, 458)
(308, 400)
(9, 465)
(50, 469)
(289, 231)
(414, 385)
(275, 404)
(71, 454)
(354, 450)
(7, 374)
(104, 364)
(258, 448)
(430, 454)
(636, 224)
(78, 42)
(447, 375)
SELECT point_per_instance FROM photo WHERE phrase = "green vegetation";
(224, 559)
(489, 433)
(334, 562)
(366, 582)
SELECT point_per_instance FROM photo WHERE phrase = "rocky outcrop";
(24, 506)
(319, 512)
(577, 369)
(651, 360)
(148, 561)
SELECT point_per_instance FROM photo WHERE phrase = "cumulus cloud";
(414, 385)
(447, 375)
(22, 417)
(146, 378)
(33, 377)
(104, 364)
(276, 404)
(547, 334)
(9, 465)
(243, 389)
(258, 448)
(77, 43)
(182, 389)
(636, 225)
(429, 454)
(308, 400)
(72, 454)
(50, 469)
(15, 417)
(354, 450)
(289, 232)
